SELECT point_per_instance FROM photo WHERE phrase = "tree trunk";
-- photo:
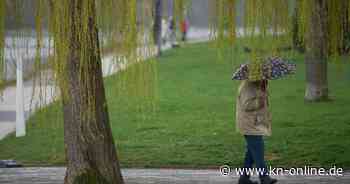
(90, 151)
(316, 53)
(345, 27)
(157, 29)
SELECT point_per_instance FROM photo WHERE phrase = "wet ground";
(55, 175)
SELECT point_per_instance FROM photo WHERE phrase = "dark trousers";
(184, 36)
(255, 153)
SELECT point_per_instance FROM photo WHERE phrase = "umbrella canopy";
(273, 68)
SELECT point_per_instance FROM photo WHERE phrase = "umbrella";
(273, 68)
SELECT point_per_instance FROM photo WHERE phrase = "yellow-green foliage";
(124, 32)
(335, 21)
(267, 27)
(222, 24)
(125, 28)
(58, 27)
(302, 19)
(265, 19)
(335, 26)
(180, 8)
(130, 35)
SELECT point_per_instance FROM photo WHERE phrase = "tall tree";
(157, 27)
(316, 52)
(89, 145)
(345, 21)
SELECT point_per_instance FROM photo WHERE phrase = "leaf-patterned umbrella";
(273, 68)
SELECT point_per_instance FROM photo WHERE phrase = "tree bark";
(316, 53)
(345, 27)
(89, 145)
(157, 28)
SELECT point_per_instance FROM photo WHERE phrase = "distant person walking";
(172, 31)
(164, 31)
(253, 118)
(184, 29)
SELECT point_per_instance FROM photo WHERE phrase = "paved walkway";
(154, 176)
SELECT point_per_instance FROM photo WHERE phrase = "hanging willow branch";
(222, 25)
(125, 29)
(124, 33)
(266, 27)
(337, 24)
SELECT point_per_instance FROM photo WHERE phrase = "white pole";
(20, 123)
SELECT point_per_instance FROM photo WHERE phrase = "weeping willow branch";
(222, 25)
(266, 28)
(336, 21)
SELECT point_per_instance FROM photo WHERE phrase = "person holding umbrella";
(253, 118)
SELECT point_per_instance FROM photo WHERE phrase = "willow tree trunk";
(157, 27)
(90, 151)
(316, 53)
(345, 21)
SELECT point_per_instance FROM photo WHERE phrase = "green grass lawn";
(194, 126)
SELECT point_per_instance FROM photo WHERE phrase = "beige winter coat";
(252, 114)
